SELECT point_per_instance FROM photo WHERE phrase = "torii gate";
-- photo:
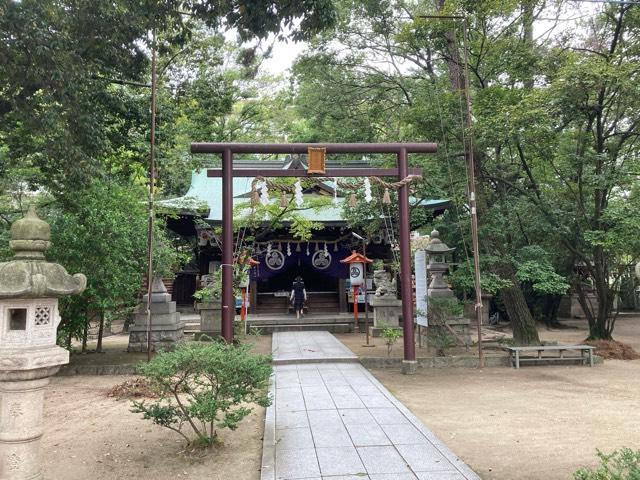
(401, 171)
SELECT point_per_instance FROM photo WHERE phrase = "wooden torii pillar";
(401, 150)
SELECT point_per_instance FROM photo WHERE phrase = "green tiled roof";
(205, 194)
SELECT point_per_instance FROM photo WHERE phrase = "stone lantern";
(438, 266)
(29, 291)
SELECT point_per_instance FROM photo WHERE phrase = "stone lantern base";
(24, 376)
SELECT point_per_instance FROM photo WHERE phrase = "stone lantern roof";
(437, 246)
(29, 275)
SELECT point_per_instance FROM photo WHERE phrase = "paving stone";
(288, 419)
(356, 416)
(382, 460)
(347, 477)
(330, 435)
(440, 476)
(293, 439)
(376, 401)
(393, 476)
(289, 399)
(424, 458)
(324, 417)
(339, 461)
(367, 435)
(404, 434)
(294, 464)
(287, 379)
(317, 398)
(388, 416)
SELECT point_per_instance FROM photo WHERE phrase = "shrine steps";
(331, 322)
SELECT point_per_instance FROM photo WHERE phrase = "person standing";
(298, 296)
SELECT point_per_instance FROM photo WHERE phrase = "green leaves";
(206, 385)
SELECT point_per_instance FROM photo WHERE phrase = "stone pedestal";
(387, 310)
(166, 326)
(470, 310)
(570, 305)
(210, 320)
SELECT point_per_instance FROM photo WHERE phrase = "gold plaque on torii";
(316, 160)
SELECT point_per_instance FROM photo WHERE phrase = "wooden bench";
(515, 354)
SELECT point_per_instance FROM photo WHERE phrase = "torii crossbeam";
(402, 150)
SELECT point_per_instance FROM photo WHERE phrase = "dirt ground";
(92, 436)
(115, 350)
(536, 423)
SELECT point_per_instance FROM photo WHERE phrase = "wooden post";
(228, 302)
(355, 308)
(405, 267)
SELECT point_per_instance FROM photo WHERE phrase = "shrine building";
(198, 214)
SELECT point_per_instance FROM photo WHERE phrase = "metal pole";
(472, 197)
(366, 304)
(228, 302)
(152, 180)
(405, 267)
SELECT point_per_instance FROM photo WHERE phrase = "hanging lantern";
(356, 262)
(298, 248)
(353, 202)
(367, 191)
(386, 198)
(298, 193)
(264, 193)
(288, 249)
(284, 201)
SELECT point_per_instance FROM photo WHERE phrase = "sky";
(284, 53)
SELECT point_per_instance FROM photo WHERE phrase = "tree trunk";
(100, 332)
(522, 323)
(85, 334)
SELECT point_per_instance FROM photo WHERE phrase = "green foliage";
(101, 231)
(203, 387)
(623, 464)
(391, 336)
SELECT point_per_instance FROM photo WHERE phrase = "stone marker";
(29, 291)
(166, 327)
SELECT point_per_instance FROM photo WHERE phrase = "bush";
(623, 464)
(204, 386)
(391, 336)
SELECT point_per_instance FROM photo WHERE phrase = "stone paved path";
(308, 346)
(335, 421)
